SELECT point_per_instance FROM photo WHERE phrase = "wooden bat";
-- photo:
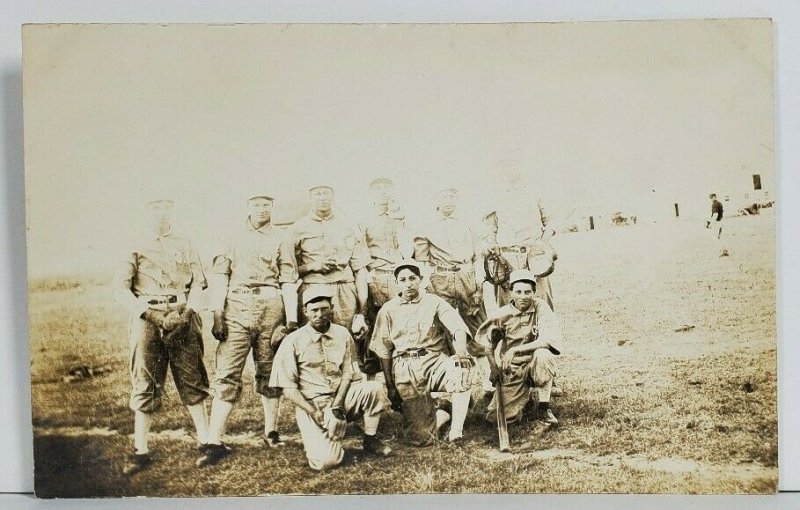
(502, 425)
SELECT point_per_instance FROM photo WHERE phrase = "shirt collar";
(442, 217)
(263, 229)
(158, 236)
(316, 217)
(416, 300)
(517, 311)
(315, 335)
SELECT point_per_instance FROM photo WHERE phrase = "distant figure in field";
(714, 223)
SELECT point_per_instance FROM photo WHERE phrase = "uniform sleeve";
(123, 285)
(284, 366)
(287, 260)
(549, 327)
(198, 275)
(381, 343)
(219, 275)
(360, 257)
(422, 248)
(349, 359)
(490, 227)
(478, 249)
(450, 318)
(546, 216)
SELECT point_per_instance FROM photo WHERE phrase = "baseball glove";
(335, 426)
(497, 269)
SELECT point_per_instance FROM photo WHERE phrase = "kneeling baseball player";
(314, 366)
(526, 338)
(410, 338)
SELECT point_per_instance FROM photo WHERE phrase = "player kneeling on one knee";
(410, 339)
(526, 338)
(314, 367)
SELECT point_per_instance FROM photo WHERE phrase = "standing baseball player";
(159, 283)
(314, 366)
(714, 223)
(449, 247)
(330, 253)
(253, 292)
(388, 242)
(410, 338)
(532, 342)
(519, 229)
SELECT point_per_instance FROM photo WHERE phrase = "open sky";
(629, 116)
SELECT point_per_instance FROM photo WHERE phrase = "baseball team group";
(347, 320)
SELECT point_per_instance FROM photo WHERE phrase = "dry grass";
(647, 409)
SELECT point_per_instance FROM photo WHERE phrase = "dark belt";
(414, 354)
(451, 269)
(164, 300)
(248, 290)
(383, 270)
(514, 249)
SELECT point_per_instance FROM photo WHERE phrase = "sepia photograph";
(401, 258)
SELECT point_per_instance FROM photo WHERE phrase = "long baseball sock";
(271, 411)
(199, 416)
(141, 428)
(460, 407)
(220, 410)
(371, 422)
(442, 417)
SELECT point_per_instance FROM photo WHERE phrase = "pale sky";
(630, 115)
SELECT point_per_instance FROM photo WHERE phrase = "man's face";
(260, 210)
(408, 284)
(522, 295)
(160, 214)
(383, 193)
(447, 202)
(322, 200)
(319, 314)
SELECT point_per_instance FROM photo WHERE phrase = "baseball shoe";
(556, 391)
(273, 439)
(456, 442)
(212, 453)
(548, 418)
(137, 462)
(374, 446)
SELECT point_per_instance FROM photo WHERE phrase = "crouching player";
(314, 367)
(526, 338)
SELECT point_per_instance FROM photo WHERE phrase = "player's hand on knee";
(334, 423)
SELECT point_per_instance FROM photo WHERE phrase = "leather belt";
(159, 300)
(414, 354)
(255, 291)
(383, 270)
(514, 249)
(451, 269)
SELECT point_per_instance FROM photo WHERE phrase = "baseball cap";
(315, 292)
(410, 264)
(522, 275)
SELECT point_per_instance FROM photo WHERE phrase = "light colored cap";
(319, 186)
(315, 292)
(522, 275)
(253, 197)
(381, 180)
(160, 200)
(410, 264)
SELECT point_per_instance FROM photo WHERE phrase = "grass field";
(646, 408)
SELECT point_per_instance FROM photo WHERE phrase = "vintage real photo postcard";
(374, 259)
